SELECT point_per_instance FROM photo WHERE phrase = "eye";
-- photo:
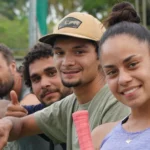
(52, 73)
(79, 52)
(132, 65)
(35, 79)
(58, 53)
(111, 73)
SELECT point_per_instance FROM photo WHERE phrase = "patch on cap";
(70, 22)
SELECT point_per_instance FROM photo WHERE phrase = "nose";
(68, 60)
(45, 82)
(124, 78)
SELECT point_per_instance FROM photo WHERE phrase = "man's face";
(76, 61)
(46, 83)
(6, 76)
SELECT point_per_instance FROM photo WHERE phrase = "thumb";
(14, 98)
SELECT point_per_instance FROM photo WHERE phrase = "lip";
(49, 94)
(129, 92)
(70, 72)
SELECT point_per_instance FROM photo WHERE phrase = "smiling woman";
(125, 59)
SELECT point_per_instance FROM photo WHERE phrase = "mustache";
(48, 90)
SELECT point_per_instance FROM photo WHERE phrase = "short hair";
(6, 53)
(40, 50)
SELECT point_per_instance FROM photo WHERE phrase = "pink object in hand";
(81, 121)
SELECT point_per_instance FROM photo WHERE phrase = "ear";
(13, 67)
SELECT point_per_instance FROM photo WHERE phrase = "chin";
(71, 84)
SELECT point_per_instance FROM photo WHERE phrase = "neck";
(86, 92)
(139, 118)
(141, 112)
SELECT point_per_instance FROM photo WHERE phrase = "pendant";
(128, 141)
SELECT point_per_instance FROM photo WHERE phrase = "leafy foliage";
(14, 17)
(14, 33)
(99, 7)
(8, 8)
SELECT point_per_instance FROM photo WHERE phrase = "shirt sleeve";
(115, 112)
(34, 108)
(53, 120)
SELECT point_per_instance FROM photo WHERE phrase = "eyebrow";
(49, 68)
(124, 61)
(33, 76)
(45, 70)
(75, 47)
(128, 58)
(80, 46)
(57, 48)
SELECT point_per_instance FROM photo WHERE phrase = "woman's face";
(126, 64)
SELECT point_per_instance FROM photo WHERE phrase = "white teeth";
(130, 91)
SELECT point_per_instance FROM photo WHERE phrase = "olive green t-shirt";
(56, 120)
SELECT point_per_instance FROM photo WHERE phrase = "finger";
(3, 143)
(15, 114)
(20, 108)
(3, 140)
(14, 98)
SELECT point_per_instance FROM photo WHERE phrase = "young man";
(41, 76)
(74, 41)
(11, 78)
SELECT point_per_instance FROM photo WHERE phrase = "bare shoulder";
(100, 132)
(30, 99)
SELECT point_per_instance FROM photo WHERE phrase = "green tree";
(8, 8)
(14, 33)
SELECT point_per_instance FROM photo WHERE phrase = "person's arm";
(34, 108)
(3, 107)
(14, 128)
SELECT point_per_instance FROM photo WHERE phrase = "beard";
(6, 87)
(71, 84)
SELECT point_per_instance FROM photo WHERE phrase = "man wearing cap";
(75, 46)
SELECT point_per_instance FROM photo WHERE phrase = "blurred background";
(22, 22)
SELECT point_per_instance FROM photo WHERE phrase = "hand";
(5, 128)
(14, 108)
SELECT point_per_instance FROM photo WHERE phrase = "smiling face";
(126, 64)
(46, 83)
(76, 60)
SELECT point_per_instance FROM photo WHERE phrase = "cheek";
(57, 82)
(36, 89)
(112, 83)
(57, 62)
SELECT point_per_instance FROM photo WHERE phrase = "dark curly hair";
(6, 53)
(40, 50)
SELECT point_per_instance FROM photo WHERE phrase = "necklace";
(135, 135)
(128, 140)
